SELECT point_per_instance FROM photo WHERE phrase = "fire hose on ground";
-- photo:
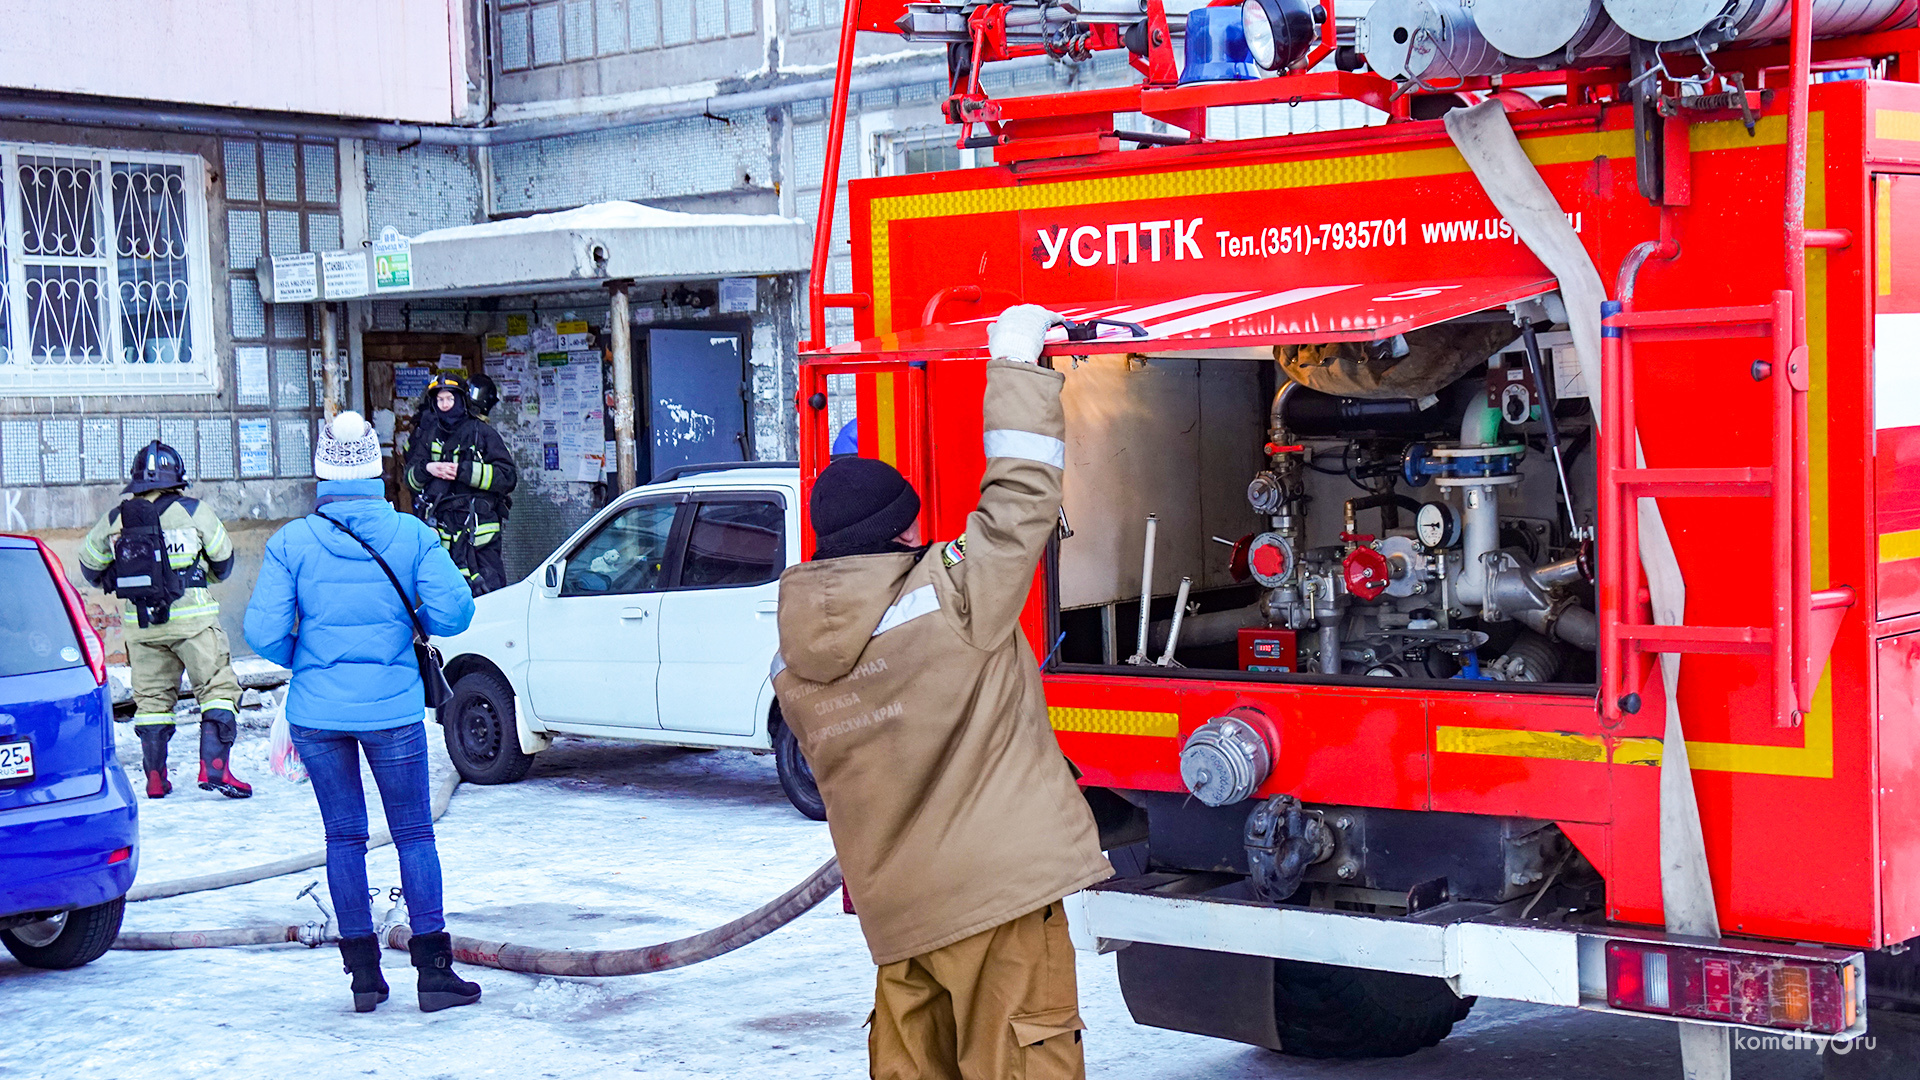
(505, 956)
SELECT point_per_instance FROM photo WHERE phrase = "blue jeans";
(398, 757)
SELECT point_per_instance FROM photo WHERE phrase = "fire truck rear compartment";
(1420, 533)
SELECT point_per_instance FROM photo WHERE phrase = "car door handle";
(768, 607)
(633, 613)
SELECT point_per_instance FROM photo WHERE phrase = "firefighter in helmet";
(461, 475)
(158, 551)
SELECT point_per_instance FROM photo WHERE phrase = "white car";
(654, 622)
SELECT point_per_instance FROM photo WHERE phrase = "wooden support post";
(620, 322)
(330, 389)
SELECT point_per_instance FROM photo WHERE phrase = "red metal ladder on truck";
(1795, 640)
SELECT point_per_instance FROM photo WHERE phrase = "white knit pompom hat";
(349, 449)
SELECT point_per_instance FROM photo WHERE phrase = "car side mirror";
(551, 584)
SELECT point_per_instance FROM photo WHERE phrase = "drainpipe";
(251, 123)
(620, 321)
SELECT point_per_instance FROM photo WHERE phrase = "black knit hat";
(859, 506)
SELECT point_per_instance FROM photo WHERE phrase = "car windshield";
(35, 632)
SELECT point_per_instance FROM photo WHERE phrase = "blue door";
(697, 380)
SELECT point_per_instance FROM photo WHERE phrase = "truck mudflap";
(1482, 951)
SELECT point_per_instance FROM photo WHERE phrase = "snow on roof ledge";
(592, 244)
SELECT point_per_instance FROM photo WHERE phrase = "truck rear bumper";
(1478, 954)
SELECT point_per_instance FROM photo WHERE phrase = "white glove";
(1020, 333)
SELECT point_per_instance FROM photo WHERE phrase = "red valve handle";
(1367, 573)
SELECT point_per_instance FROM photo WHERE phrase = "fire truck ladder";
(1804, 623)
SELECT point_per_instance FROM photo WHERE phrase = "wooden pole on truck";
(620, 322)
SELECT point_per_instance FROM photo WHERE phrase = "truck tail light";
(1738, 988)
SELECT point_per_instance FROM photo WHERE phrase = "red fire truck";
(1412, 467)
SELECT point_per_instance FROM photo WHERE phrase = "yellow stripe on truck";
(1896, 546)
(1164, 725)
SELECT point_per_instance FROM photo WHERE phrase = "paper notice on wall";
(517, 325)
(574, 334)
(494, 344)
(643, 314)
(452, 362)
(736, 295)
(344, 274)
(613, 456)
(549, 389)
(251, 374)
(296, 278)
(256, 447)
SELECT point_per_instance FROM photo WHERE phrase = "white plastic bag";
(281, 755)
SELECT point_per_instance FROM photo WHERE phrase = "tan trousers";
(158, 654)
(1000, 1005)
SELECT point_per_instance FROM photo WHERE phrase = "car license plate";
(16, 761)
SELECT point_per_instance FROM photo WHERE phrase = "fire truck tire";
(796, 776)
(1337, 1012)
(483, 736)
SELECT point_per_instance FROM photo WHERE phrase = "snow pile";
(600, 216)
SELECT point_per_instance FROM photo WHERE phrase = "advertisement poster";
(392, 262)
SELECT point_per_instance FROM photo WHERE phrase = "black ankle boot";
(360, 958)
(440, 988)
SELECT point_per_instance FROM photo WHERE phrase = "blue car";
(68, 827)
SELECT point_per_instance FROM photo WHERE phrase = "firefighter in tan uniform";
(917, 702)
(158, 552)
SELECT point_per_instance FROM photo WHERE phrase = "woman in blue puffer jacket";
(325, 608)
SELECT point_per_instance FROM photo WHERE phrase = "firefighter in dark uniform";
(461, 475)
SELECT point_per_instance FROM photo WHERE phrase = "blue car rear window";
(35, 633)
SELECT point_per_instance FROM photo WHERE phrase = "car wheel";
(796, 776)
(483, 737)
(69, 939)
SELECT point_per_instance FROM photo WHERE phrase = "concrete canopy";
(600, 242)
(589, 245)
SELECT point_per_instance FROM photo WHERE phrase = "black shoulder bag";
(433, 676)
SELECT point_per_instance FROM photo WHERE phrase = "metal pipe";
(1329, 638)
(1179, 613)
(1140, 655)
(620, 322)
(1567, 571)
(1480, 511)
(830, 183)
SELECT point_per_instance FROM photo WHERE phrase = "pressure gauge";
(1437, 525)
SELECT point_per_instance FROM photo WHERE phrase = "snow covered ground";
(609, 845)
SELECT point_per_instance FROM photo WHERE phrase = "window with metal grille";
(104, 282)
